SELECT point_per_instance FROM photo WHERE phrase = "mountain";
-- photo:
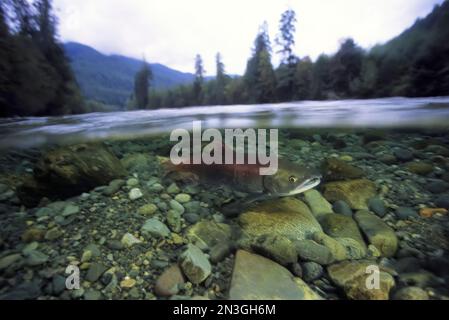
(416, 63)
(110, 78)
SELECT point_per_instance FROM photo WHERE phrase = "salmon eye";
(292, 179)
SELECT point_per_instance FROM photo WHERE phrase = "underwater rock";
(183, 198)
(277, 248)
(311, 271)
(70, 171)
(404, 213)
(343, 208)
(33, 234)
(207, 234)
(317, 203)
(443, 201)
(339, 226)
(339, 252)
(154, 228)
(114, 187)
(8, 260)
(377, 206)
(169, 281)
(257, 278)
(287, 217)
(53, 234)
(174, 220)
(195, 265)
(411, 293)
(36, 258)
(95, 272)
(147, 209)
(354, 249)
(352, 277)
(334, 169)
(430, 212)
(309, 250)
(355, 193)
(403, 155)
(377, 232)
(420, 168)
(128, 240)
(138, 163)
(437, 186)
(135, 194)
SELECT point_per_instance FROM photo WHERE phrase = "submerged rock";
(355, 279)
(378, 233)
(317, 203)
(420, 168)
(195, 264)
(287, 217)
(207, 234)
(339, 226)
(355, 193)
(257, 278)
(411, 293)
(277, 248)
(334, 169)
(169, 282)
(309, 250)
(154, 228)
(70, 171)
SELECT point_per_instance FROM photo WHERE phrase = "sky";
(172, 32)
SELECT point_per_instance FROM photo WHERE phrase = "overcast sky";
(172, 32)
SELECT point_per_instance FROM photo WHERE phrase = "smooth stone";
(191, 217)
(87, 255)
(354, 250)
(420, 168)
(311, 271)
(403, 155)
(352, 277)
(36, 258)
(58, 284)
(220, 251)
(442, 201)
(92, 295)
(6, 261)
(341, 207)
(317, 203)
(154, 228)
(183, 198)
(70, 210)
(377, 206)
(339, 252)
(132, 182)
(115, 245)
(24, 291)
(95, 271)
(175, 205)
(411, 293)
(334, 169)
(437, 187)
(135, 194)
(195, 264)
(168, 284)
(257, 278)
(404, 213)
(207, 234)
(155, 188)
(114, 187)
(309, 250)
(148, 209)
(173, 189)
(53, 234)
(287, 217)
(355, 193)
(339, 226)
(174, 220)
(378, 233)
(277, 248)
(96, 252)
(128, 240)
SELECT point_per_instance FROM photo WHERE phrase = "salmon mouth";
(306, 185)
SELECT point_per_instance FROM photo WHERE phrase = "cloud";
(172, 32)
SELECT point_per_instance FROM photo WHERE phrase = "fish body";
(290, 179)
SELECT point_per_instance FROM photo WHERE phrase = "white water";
(374, 113)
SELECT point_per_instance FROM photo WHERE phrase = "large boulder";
(257, 278)
(356, 193)
(70, 171)
(286, 217)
